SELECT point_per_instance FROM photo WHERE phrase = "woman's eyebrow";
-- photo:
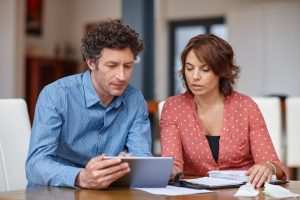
(203, 65)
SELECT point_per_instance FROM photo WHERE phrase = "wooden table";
(47, 193)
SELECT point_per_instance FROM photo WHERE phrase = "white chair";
(156, 147)
(293, 131)
(160, 107)
(270, 108)
(2, 176)
(14, 141)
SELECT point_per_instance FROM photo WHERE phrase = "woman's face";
(200, 79)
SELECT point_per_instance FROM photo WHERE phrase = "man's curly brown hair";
(110, 34)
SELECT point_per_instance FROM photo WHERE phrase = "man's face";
(112, 73)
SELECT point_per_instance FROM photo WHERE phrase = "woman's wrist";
(274, 171)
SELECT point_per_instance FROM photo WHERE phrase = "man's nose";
(121, 74)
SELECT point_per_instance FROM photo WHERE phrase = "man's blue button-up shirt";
(71, 126)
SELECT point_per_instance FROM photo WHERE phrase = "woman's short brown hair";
(218, 55)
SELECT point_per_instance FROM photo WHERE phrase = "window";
(181, 32)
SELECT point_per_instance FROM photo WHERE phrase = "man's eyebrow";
(112, 61)
(130, 62)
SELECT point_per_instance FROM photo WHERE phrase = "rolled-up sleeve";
(261, 144)
(171, 145)
(42, 166)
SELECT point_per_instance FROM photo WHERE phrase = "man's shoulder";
(131, 91)
(133, 97)
(66, 83)
(61, 87)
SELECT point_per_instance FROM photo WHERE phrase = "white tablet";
(145, 172)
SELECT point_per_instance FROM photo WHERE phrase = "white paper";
(172, 191)
(277, 191)
(246, 191)
(214, 181)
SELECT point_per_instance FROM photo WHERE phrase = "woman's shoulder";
(179, 102)
(179, 99)
(178, 107)
(240, 99)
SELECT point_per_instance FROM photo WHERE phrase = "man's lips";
(118, 85)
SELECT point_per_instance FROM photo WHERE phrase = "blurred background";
(40, 42)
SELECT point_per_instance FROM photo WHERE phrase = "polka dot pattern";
(244, 138)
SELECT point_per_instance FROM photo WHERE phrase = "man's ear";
(91, 64)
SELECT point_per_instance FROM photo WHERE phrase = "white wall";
(283, 49)
(249, 46)
(91, 11)
(263, 33)
(161, 71)
(64, 22)
(266, 40)
(57, 21)
(11, 48)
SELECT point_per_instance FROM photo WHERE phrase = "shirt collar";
(91, 96)
(119, 100)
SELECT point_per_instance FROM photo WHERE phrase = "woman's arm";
(170, 139)
(264, 155)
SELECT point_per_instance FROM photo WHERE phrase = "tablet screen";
(145, 172)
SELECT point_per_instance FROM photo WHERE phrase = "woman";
(211, 126)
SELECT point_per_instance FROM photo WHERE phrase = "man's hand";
(123, 154)
(259, 173)
(100, 173)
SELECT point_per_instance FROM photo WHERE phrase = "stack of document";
(238, 175)
(213, 183)
(217, 179)
(220, 179)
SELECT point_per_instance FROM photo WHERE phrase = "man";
(81, 118)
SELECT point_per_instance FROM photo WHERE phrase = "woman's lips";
(197, 87)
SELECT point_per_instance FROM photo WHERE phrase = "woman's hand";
(175, 170)
(260, 173)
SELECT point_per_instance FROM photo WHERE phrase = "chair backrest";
(160, 107)
(14, 141)
(270, 108)
(2, 176)
(293, 131)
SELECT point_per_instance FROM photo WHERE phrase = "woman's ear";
(91, 64)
